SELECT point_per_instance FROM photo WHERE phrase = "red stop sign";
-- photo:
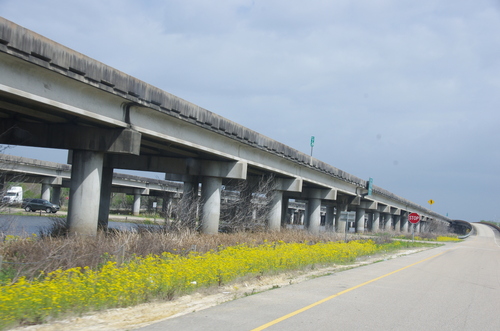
(414, 218)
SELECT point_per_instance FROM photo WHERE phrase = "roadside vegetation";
(53, 276)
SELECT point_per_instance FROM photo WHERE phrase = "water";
(27, 225)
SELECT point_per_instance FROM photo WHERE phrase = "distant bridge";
(52, 96)
(56, 175)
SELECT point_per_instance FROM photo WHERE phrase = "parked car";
(39, 204)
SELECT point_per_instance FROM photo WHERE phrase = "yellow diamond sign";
(431, 202)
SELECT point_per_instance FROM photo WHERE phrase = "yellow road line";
(278, 320)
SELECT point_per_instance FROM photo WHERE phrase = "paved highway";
(454, 287)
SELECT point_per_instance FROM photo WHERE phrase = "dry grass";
(28, 257)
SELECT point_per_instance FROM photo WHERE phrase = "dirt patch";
(149, 313)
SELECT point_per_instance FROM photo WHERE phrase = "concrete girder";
(395, 211)
(369, 205)
(180, 166)
(316, 193)
(289, 184)
(67, 136)
(383, 208)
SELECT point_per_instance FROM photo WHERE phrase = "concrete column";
(105, 204)
(2, 185)
(284, 210)
(210, 196)
(340, 225)
(56, 195)
(404, 222)
(330, 218)
(46, 191)
(388, 222)
(360, 220)
(314, 213)
(376, 221)
(190, 188)
(275, 212)
(397, 223)
(85, 192)
(306, 216)
(369, 221)
(136, 207)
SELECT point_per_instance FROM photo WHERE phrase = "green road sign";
(370, 186)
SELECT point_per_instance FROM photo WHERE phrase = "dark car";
(39, 204)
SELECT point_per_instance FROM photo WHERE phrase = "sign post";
(312, 145)
(413, 218)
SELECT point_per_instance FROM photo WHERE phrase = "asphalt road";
(454, 287)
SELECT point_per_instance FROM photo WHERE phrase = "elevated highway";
(52, 96)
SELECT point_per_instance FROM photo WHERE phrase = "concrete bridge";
(52, 96)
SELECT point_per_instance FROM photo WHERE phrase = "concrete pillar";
(56, 195)
(340, 224)
(388, 222)
(136, 207)
(314, 213)
(275, 212)
(330, 218)
(397, 223)
(306, 216)
(360, 220)
(85, 192)
(46, 191)
(190, 188)
(105, 204)
(404, 223)
(210, 196)
(369, 221)
(284, 210)
(376, 221)
(2, 185)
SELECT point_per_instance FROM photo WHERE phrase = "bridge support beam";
(376, 222)
(136, 207)
(360, 220)
(388, 222)
(106, 187)
(314, 215)
(56, 195)
(46, 191)
(86, 176)
(210, 197)
(404, 222)
(397, 223)
(279, 203)
(275, 213)
(330, 218)
(342, 205)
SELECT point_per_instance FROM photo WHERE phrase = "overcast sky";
(405, 92)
